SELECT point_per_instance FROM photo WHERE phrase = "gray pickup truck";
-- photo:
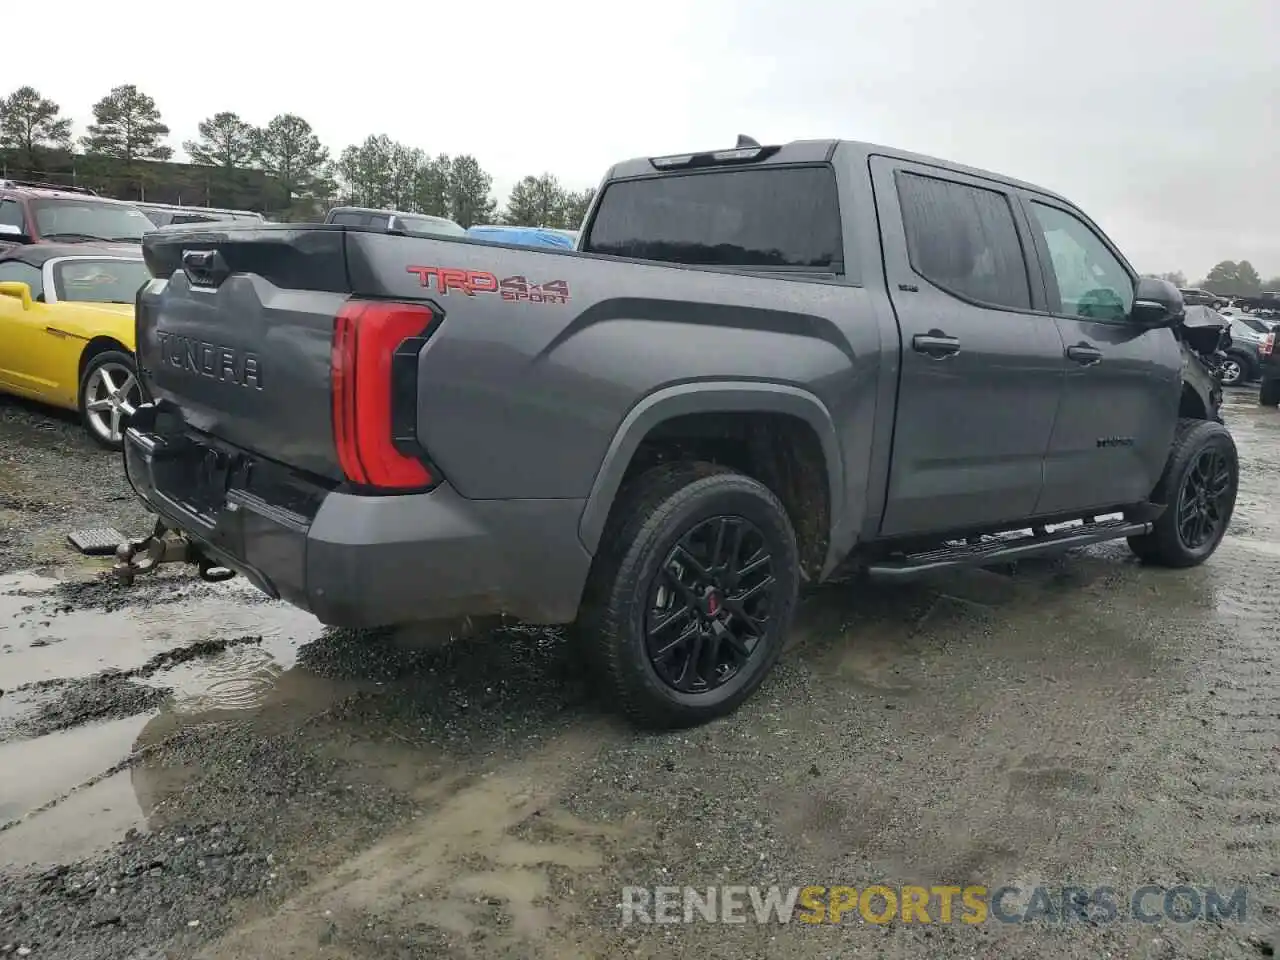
(764, 366)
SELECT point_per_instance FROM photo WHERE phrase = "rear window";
(432, 225)
(778, 217)
(199, 218)
(350, 219)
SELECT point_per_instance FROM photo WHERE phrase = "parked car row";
(1265, 303)
(70, 269)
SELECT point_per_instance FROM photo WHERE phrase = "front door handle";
(1084, 354)
(935, 344)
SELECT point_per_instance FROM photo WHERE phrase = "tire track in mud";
(1236, 745)
(161, 661)
(474, 874)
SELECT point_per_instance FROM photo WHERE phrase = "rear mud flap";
(165, 545)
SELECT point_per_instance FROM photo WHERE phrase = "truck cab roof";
(800, 152)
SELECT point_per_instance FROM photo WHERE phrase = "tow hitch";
(163, 546)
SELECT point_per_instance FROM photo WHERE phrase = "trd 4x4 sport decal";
(471, 282)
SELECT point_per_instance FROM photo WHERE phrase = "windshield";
(88, 220)
(99, 280)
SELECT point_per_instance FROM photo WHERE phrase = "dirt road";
(187, 770)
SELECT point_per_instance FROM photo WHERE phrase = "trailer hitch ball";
(144, 555)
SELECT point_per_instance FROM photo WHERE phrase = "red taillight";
(1268, 344)
(375, 348)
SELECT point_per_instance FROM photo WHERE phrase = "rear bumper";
(361, 561)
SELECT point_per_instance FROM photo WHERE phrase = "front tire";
(1198, 487)
(693, 594)
(109, 392)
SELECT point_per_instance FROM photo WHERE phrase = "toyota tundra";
(764, 366)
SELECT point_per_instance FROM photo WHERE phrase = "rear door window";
(963, 239)
(773, 218)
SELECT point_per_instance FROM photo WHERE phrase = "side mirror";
(12, 234)
(1156, 303)
(18, 290)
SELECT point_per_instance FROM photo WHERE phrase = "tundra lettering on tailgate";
(513, 289)
(212, 360)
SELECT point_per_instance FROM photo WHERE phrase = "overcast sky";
(1159, 118)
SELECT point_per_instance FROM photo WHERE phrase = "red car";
(47, 213)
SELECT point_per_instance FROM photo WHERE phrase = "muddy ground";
(187, 770)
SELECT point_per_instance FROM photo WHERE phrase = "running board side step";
(1003, 549)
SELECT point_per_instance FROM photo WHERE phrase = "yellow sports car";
(66, 330)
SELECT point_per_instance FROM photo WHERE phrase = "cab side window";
(11, 214)
(963, 239)
(1091, 282)
(24, 273)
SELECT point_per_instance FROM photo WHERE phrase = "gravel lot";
(188, 770)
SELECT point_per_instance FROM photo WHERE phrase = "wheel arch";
(99, 344)
(1192, 405)
(710, 398)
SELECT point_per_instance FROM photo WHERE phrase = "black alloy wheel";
(709, 604)
(1202, 503)
(692, 594)
(1198, 491)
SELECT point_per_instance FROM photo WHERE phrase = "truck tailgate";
(239, 336)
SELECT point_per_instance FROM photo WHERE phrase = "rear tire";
(1269, 393)
(701, 562)
(1199, 485)
(108, 391)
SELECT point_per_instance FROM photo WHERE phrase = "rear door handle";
(1084, 354)
(936, 344)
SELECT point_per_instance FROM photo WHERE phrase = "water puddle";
(86, 822)
(45, 636)
(54, 787)
(218, 650)
(38, 771)
(238, 678)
